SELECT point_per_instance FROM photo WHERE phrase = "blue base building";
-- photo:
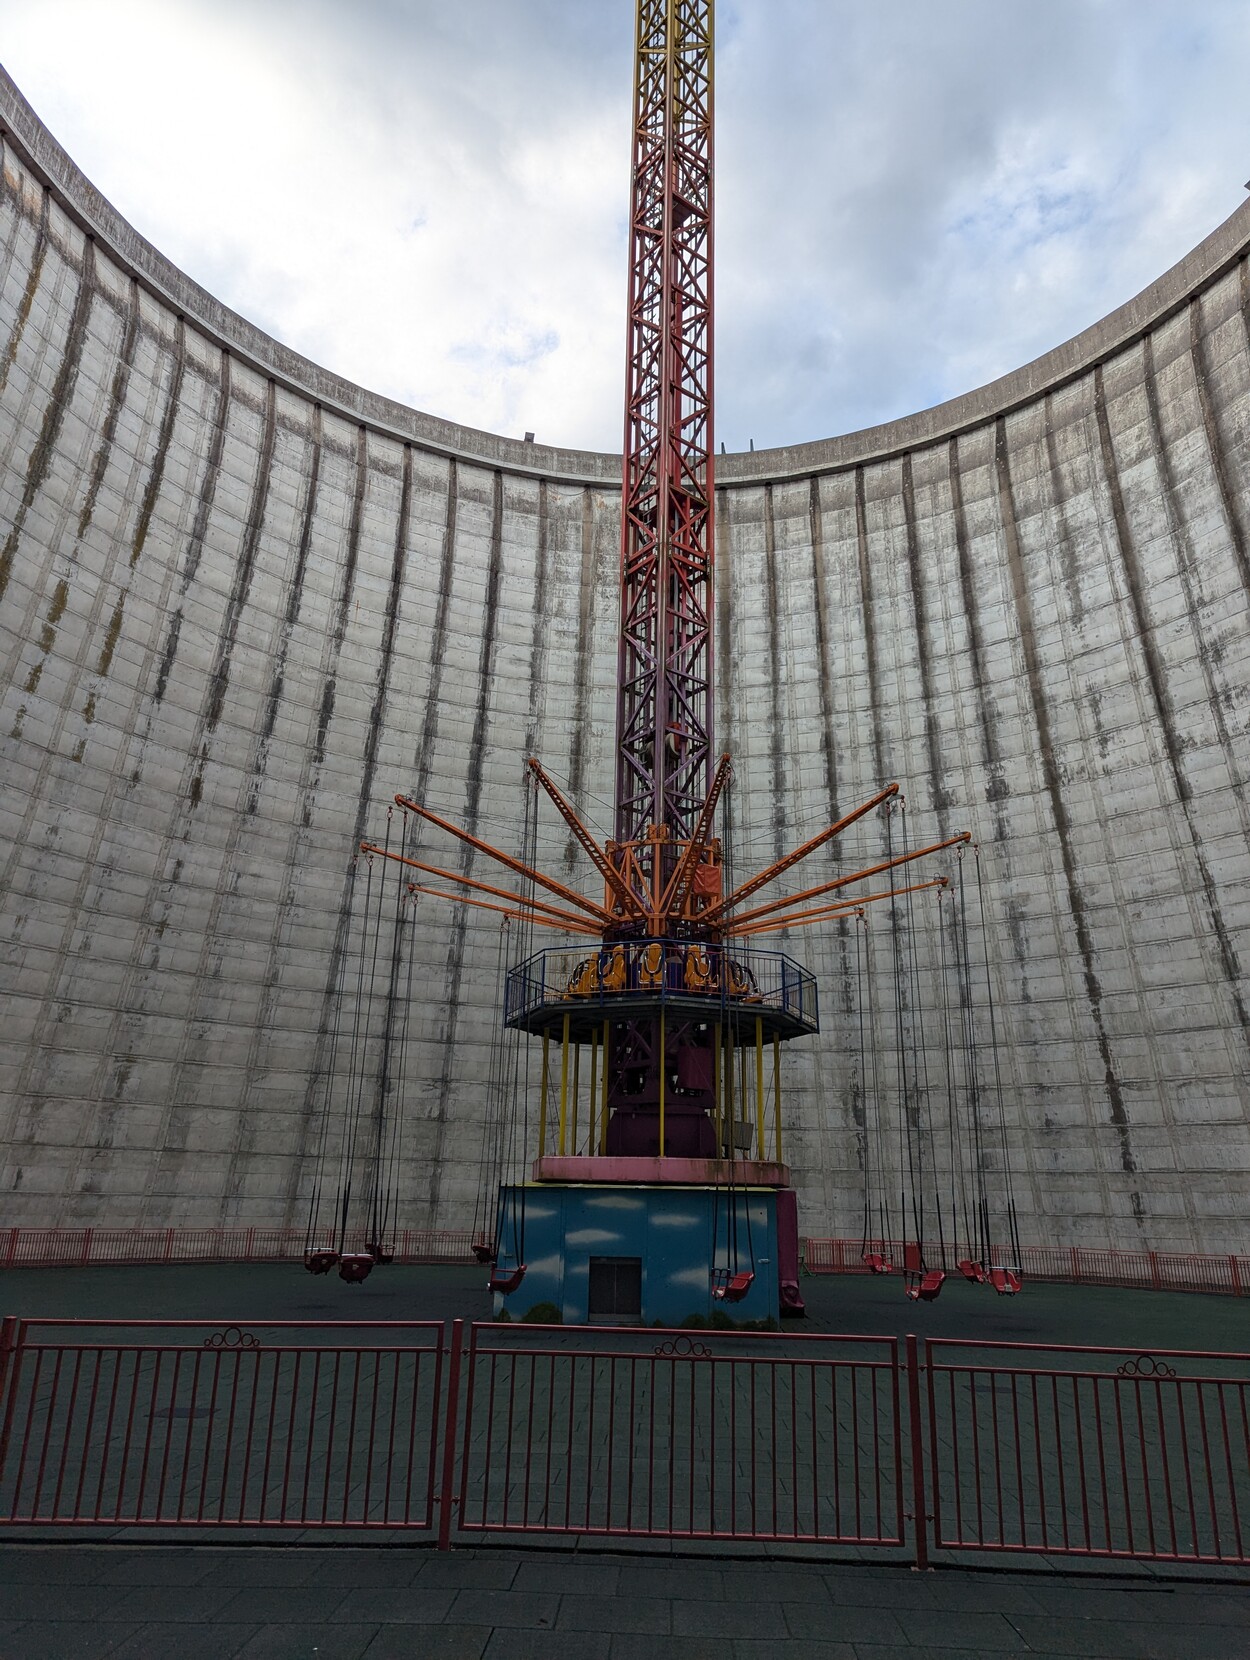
(605, 1253)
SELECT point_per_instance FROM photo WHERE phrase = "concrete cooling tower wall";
(242, 602)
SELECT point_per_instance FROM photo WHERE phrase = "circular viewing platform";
(630, 979)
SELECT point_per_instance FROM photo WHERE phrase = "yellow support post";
(777, 1097)
(759, 1086)
(718, 1117)
(542, 1097)
(603, 1119)
(594, 1090)
(731, 1113)
(577, 1073)
(564, 1082)
(661, 1069)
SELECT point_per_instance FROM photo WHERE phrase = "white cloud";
(432, 200)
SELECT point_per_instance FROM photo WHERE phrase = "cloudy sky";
(429, 196)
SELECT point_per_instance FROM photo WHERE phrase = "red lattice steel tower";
(673, 991)
(664, 712)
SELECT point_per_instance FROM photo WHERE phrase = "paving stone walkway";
(85, 1602)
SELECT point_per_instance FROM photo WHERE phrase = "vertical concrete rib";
(54, 412)
(581, 674)
(824, 623)
(778, 783)
(1059, 812)
(1163, 712)
(438, 645)
(473, 802)
(881, 763)
(942, 799)
(996, 787)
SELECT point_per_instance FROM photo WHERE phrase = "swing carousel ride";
(659, 1192)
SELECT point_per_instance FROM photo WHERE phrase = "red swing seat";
(355, 1266)
(877, 1264)
(506, 1282)
(320, 1262)
(926, 1288)
(734, 1288)
(1006, 1281)
(379, 1253)
(484, 1253)
(972, 1271)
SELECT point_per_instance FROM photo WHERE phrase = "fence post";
(1156, 1284)
(86, 1246)
(449, 1437)
(10, 1341)
(1234, 1274)
(918, 1495)
(11, 1255)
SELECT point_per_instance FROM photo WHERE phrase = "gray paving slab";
(638, 1646)
(351, 1568)
(158, 1640)
(60, 1640)
(506, 1608)
(572, 1577)
(408, 1605)
(953, 1628)
(679, 1580)
(745, 1582)
(309, 1642)
(246, 1567)
(432, 1642)
(1135, 1639)
(68, 1602)
(273, 1604)
(60, 1566)
(547, 1645)
(795, 1648)
(613, 1614)
(156, 1566)
(852, 1588)
(733, 1619)
(168, 1604)
(848, 1624)
(474, 1570)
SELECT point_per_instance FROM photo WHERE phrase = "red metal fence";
(752, 1438)
(161, 1423)
(1081, 1452)
(684, 1435)
(81, 1247)
(1076, 1265)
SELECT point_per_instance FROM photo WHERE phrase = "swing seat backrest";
(877, 1264)
(484, 1253)
(926, 1288)
(320, 1262)
(1006, 1281)
(972, 1271)
(506, 1282)
(355, 1266)
(735, 1288)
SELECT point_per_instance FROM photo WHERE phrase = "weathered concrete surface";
(242, 602)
